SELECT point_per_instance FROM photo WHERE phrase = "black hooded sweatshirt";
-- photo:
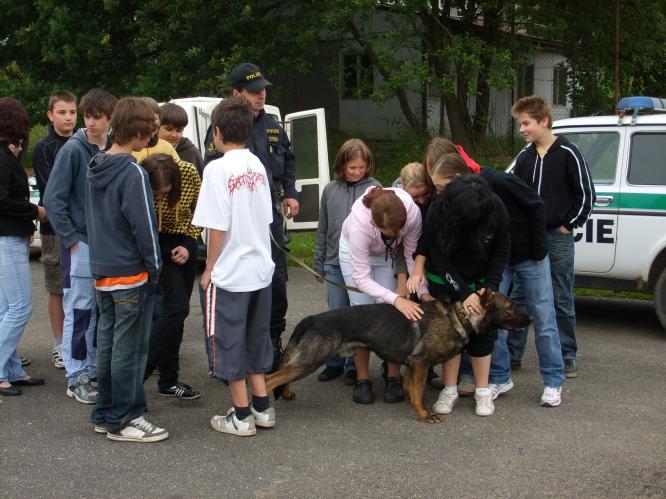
(562, 179)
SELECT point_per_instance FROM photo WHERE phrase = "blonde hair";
(414, 175)
(536, 107)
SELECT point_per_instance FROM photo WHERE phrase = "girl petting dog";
(377, 224)
(464, 249)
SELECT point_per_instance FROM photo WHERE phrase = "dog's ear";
(488, 299)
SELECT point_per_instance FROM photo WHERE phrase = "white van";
(623, 244)
(307, 133)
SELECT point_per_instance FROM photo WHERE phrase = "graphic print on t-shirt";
(249, 179)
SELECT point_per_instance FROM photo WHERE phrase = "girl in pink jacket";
(378, 222)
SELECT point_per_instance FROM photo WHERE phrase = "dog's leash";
(309, 269)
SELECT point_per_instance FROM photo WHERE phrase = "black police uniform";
(269, 142)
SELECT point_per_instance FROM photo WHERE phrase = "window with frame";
(600, 150)
(559, 86)
(646, 159)
(357, 77)
(525, 84)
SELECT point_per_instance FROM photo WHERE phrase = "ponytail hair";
(387, 210)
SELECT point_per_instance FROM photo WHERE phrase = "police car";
(306, 131)
(623, 244)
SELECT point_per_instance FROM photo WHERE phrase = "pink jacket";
(365, 239)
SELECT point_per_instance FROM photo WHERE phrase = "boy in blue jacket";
(125, 264)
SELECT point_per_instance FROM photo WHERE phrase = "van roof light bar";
(639, 105)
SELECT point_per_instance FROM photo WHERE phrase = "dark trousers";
(279, 283)
(176, 283)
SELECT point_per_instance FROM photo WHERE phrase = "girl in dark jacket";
(16, 230)
(465, 247)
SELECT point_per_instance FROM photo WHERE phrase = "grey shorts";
(237, 332)
(51, 260)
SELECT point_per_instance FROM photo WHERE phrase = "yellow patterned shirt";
(178, 220)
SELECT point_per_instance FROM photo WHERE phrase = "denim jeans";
(78, 334)
(123, 333)
(337, 298)
(561, 253)
(15, 303)
(536, 295)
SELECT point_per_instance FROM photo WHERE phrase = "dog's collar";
(463, 318)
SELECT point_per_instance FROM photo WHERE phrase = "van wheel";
(660, 298)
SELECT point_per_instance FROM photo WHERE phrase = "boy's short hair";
(61, 96)
(133, 117)
(536, 107)
(173, 115)
(97, 102)
(153, 105)
(233, 118)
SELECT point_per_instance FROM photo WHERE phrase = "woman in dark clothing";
(465, 248)
(16, 230)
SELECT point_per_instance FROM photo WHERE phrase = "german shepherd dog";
(439, 335)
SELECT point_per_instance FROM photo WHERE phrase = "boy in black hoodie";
(125, 263)
(556, 169)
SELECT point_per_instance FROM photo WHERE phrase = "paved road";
(607, 439)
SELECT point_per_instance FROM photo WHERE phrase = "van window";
(600, 152)
(647, 165)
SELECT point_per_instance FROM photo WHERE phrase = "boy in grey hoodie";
(64, 200)
(125, 263)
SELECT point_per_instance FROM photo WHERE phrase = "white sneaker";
(265, 419)
(466, 388)
(551, 397)
(445, 402)
(484, 403)
(231, 424)
(138, 430)
(498, 389)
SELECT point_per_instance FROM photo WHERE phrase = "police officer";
(268, 141)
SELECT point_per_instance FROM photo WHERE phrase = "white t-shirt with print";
(235, 198)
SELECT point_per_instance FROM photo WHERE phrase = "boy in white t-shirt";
(235, 205)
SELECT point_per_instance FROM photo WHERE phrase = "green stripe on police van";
(635, 201)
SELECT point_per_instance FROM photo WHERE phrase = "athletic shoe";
(351, 377)
(466, 388)
(231, 424)
(393, 391)
(570, 368)
(82, 390)
(330, 373)
(551, 397)
(100, 428)
(445, 402)
(139, 430)
(363, 392)
(484, 404)
(25, 361)
(264, 419)
(56, 357)
(180, 390)
(497, 389)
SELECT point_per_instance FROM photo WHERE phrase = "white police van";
(307, 133)
(623, 244)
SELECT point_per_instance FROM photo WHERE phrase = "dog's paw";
(288, 394)
(432, 419)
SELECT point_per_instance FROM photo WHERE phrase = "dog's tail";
(300, 330)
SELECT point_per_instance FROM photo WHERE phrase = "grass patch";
(609, 293)
(302, 246)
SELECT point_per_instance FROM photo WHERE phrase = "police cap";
(248, 75)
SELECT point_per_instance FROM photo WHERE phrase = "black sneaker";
(393, 391)
(181, 390)
(330, 373)
(351, 377)
(515, 364)
(570, 368)
(363, 392)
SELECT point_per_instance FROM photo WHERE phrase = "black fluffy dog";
(441, 334)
